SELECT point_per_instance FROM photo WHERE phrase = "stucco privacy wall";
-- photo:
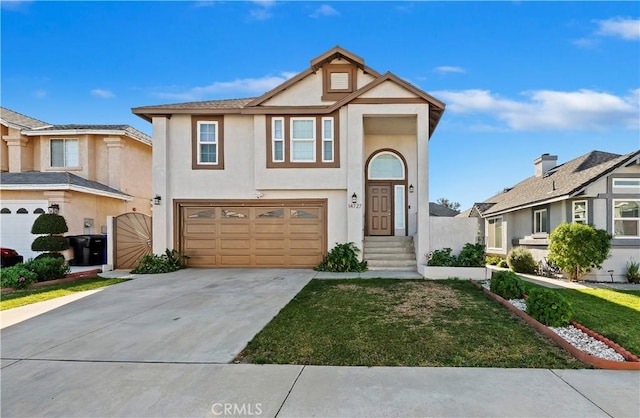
(451, 233)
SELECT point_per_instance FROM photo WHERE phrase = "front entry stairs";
(389, 253)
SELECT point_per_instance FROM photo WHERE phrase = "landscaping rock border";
(632, 362)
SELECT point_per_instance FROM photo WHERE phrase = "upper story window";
(303, 140)
(386, 166)
(631, 183)
(207, 142)
(338, 81)
(64, 153)
(579, 211)
(626, 218)
(494, 233)
(327, 139)
(540, 222)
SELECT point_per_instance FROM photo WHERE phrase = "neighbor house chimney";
(544, 163)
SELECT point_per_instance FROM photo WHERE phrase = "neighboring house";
(89, 171)
(599, 188)
(335, 154)
(439, 210)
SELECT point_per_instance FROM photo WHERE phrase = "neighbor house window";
(540, 221)
(494, 232)
(64, 153)
(579, 212)
(207, 142)
(303, 140)
(327, 139)
(626, 218)
(626, 183)
(277, 137)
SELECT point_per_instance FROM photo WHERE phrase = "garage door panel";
(225, 235)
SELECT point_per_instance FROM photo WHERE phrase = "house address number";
(355, 205)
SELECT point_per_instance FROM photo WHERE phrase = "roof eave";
(71, 187)
(117, 132)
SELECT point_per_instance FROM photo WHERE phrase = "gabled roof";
(17, 120)
(561, 182)
(254, 105)
(37, 180)
(75, 129)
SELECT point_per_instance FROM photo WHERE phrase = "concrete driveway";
(190, 316)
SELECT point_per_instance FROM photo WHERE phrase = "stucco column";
(14, 146)
(355, 177)
(114, 161)
(162, 233)
(422, 136)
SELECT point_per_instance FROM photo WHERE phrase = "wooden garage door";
(249, 234)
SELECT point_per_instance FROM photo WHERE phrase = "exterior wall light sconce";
(411, 189)
(157, 199)
(354, 198)
(54, 208)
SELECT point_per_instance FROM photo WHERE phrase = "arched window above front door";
(386, 166)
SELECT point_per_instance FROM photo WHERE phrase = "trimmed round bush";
(48, 268)
(507, 284)
(549, 307)
(50, 243)
(18, 277)
(520, 260)
(49, 223)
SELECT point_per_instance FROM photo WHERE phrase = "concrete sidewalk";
(89, 389)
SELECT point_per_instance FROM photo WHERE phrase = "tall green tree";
(443, 201)
(578, 248)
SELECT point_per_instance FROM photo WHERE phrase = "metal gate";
(132, 239)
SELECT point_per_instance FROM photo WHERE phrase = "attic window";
(338, 81)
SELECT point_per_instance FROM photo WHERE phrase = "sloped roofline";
(576, 191)
(129, 131)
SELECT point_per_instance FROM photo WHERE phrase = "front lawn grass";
(28, 296)
(382, 322)
(612, 313)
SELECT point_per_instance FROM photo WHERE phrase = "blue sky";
(519, 78)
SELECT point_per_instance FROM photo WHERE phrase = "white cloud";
(236, 88)
(15, 5)
(550, 110)
(324, 10)
(625, 28)
(263, 11)
(40, 94)
(103, 94)
(444, 69)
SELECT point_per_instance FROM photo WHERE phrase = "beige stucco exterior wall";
(388, 89)
(298, 94)
(4, 150)
(451, 232)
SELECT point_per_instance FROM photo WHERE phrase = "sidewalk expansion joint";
(289, 392)
(581, 394)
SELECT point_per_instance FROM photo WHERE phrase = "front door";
(379, 209)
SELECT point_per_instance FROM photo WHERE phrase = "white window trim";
(293, 140)
(613, 220)
(501, 232)
(216, 142)
(537, 213)
(331, 140)
(624, 186)
(404, 169)
(64, 150)
(274, 140)
(586, 211)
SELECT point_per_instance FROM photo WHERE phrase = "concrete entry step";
(389, 253)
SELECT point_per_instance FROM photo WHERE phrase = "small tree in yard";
(50, 227)
(578, 248)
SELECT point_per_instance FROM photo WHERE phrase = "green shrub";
(633, 271)
(503, 263)
(472, 255)
(50, 243)
(48, 268)
(520, 260)
(170, 261)
(549, 307)
(577, 248)
(49, 255)
(493, 260)
(342, 258)
(17, 277)
(49, 223)
(507, 284)
(442, 258)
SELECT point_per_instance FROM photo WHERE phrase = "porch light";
(54, 208)
(411, 188)
(157, 199)
(354, 198)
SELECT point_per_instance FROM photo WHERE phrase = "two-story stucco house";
(89, 171)
(599, 188)
(338, 153)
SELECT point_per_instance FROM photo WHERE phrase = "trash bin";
(88, 250)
